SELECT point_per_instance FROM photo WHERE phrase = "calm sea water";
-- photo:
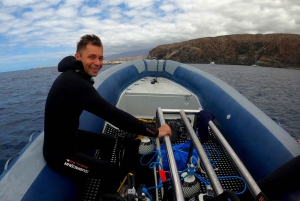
(23, 93)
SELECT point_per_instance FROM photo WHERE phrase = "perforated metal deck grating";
(92, 187)
(224, 168)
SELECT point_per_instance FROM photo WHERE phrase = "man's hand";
(164, 130)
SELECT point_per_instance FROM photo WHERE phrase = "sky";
(36, 33)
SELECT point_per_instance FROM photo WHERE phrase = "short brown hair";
(86, 40)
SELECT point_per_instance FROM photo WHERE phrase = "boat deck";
(142, 98)
(162, 86)
(224, 167)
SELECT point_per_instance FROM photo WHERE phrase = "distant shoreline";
(120, 61)
(41, 67)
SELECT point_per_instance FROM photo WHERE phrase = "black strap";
(261, 197)
(165, 187)
(202, 125)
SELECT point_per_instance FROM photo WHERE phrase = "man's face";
(91, 58)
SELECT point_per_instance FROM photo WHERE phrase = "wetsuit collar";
(85, 76)
(70, 63)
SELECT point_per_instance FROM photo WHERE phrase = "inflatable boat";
(247, 143)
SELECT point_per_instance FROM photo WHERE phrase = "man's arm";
(92, 102)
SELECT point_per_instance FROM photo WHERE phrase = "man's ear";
(77, 56)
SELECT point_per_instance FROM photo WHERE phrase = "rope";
(190, 170)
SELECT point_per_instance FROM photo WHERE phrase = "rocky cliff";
(274, 50)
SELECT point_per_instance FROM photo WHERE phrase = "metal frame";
(171, 159)
(217, 187)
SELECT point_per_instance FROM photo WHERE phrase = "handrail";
(175, 111)
(160, 167)
(10, 160)
(216, 185)
(254, 188)
(171, 159)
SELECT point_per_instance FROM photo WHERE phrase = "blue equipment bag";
(181, 152)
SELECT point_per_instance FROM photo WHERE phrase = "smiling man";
(90, 52)
(71, 93)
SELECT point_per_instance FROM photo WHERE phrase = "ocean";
(275, 91)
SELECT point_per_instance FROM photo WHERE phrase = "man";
(71, 93)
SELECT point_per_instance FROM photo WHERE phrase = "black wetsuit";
(71, 93)
(282, 181)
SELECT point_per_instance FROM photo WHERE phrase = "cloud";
(30, 26)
